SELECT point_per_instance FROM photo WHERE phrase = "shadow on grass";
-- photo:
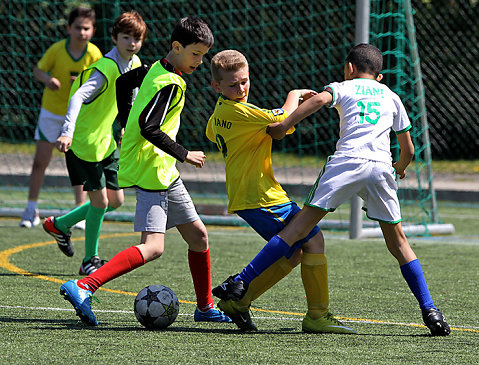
(76, 324)
(50, 274)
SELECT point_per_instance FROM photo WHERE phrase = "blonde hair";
(227, 60)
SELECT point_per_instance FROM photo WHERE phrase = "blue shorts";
(271, 220)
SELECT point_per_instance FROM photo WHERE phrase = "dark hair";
(191, 30)
(81, 12)
(129, 22)
(366, 58)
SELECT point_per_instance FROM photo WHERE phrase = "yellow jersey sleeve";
(239, 131)
(59, 63)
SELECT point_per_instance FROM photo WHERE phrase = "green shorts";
(93, 175)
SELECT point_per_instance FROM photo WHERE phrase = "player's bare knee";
(151, 250)
(199, 243)
(296, 257)
(40, 164)
(315, 244)
(116, 203)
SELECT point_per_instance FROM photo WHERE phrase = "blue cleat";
(211, 315)
(81, 301)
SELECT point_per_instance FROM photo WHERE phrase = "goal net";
(289, 44)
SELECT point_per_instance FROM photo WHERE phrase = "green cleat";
(240, 318)
(325, 324)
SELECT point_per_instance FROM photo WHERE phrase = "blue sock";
(271, 252)
(412, 272)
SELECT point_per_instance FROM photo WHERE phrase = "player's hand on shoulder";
(54, 84)
(63, 143)
(196, 158)
(276, 130)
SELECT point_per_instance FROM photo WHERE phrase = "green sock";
(68, 220)
(94, 220)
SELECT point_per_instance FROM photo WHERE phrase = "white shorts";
(373, 181)
(157, 211)
(49, 126)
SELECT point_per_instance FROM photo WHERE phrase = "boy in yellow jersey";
(57, 69)
(87, 138)
(149, 152)
(239, 130)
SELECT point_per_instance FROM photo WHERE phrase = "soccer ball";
(156, 306)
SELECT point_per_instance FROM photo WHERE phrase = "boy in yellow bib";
(87, 139)
(149, 152)
(239, 130)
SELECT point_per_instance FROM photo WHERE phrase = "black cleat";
(435, 321)
(231, 289)
(92, 265)
(240, 318)
(63, 239)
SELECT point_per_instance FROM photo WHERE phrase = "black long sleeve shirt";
(153, 115)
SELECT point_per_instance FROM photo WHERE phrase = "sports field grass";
(367, 292)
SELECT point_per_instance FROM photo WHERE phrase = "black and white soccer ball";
(156, 306)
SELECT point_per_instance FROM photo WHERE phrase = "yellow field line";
(4, 263)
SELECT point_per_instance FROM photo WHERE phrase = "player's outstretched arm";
(296, 97)
(406, 155)
(308, 107)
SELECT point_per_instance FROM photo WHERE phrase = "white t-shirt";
(367, 110)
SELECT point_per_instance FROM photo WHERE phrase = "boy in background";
(148, 163)
(57, 69)
(87, 140)
(362, 165)
(239, 130)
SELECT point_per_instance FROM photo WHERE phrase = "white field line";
(280, 318)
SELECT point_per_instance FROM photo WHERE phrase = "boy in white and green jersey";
(87, 138)
(149, 152)
(362, 165)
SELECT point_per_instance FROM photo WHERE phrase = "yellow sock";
(314, 272)
(264, 281)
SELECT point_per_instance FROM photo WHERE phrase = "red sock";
(200, 269)
(123, 262)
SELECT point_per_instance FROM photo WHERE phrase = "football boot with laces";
(211, 315)
(63, 239)
(241, 318)
(231, 289)
(30, 218)
(91, 265)
(81, 301)
(436, 322)
(325, 324)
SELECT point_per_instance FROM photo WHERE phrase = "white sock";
(32, 205)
